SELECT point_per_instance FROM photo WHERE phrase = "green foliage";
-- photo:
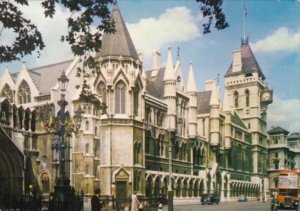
(212, 10)
(79, 36)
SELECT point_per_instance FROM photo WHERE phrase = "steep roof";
(191, 82)
(249, 63)
(46, 76)
(203, 100)
(237, 120)
(278, 130)
(155, 85)
(118, 43)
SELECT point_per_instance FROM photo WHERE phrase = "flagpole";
(245, 14)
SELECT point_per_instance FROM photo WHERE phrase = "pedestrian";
(95, 201)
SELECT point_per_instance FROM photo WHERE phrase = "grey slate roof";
(203, 99)
(249, 63)
(294, 136)
(278, 130)
(118, 43)
(237, 120)
(155, 85)
(46, 77)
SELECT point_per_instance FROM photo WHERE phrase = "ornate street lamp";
(64, 195)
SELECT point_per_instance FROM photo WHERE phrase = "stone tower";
(121, 86)
(248, 95)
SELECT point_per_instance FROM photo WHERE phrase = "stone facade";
(154, 123)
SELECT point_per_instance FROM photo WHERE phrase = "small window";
(236, 99)
(87, 125)
(247, 94)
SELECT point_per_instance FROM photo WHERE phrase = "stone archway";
(11, 166)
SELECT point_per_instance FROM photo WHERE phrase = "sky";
(273, 27)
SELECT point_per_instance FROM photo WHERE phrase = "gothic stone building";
(152, 117)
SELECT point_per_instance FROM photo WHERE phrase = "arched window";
(8, 93)
(136, 100)
(87, 148)
(247, 94)
(24, 94)
(87, 168)
(120, 98)
(87, 125)
(45, 183)
(236, 99)
(96, 131)
(101, 90)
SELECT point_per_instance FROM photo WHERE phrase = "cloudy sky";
(272, 26)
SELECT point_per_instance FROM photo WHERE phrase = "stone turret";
(191, 89)
(215, 115)
(170, 91)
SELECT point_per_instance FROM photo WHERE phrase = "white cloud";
(281, 40)
(285, 113)
(51, 30)
(174, 25)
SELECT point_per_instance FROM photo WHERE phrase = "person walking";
(95, 201)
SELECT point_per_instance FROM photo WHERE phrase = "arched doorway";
(11, 165)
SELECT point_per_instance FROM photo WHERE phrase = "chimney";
(156, 60)
(237, 61)
(209, 85)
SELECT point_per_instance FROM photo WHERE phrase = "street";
(225, 206)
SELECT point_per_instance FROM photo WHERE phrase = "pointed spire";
(226, 106)
(23, 66)
(179, 76)
(120, 42)
(214, 99)
(191, 82)
(169, 72)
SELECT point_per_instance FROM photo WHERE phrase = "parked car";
(242, 198)
(210, 199)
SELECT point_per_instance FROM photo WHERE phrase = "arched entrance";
(11, 165)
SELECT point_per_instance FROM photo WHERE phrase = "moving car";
(210, 199)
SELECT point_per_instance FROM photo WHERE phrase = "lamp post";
(64, 125)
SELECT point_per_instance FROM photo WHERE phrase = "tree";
(80, 37)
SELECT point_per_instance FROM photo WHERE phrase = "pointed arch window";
(8, 93)
(236, 99)
(24, 94)
(101, 90)
(120, 98)
(247, 94)
(136, 100)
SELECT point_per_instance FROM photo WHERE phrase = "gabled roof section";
(235, 118)
(278, 130)
(249, 63)
(203, 100)
(46, 76)
(118, 43)
(155, 85)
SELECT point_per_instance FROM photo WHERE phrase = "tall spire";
(169, 72)
(118, 43)
(214, 99)
(191, 82)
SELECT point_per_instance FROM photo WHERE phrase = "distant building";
(284, 153)
(217, 146)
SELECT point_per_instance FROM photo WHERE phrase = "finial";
(218, 77)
